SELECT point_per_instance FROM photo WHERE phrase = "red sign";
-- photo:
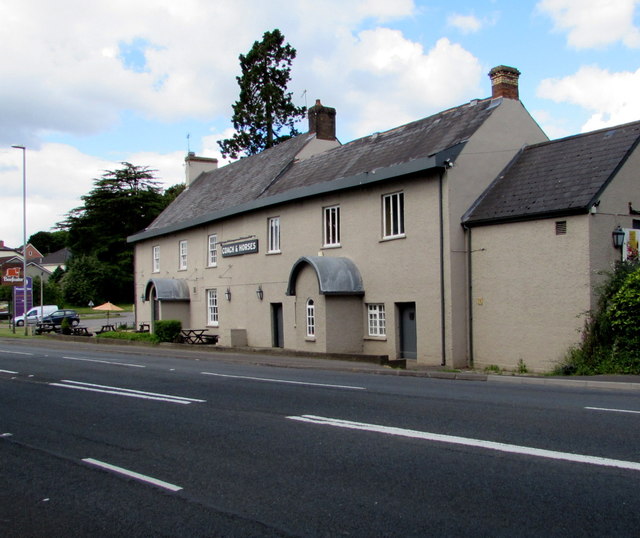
(12, 275)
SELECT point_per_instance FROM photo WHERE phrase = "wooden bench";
(81, 330)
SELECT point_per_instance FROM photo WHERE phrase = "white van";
(35, 314)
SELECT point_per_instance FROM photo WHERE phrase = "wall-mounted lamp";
(260, 293)
(227, 294)
(618, 237)
(142, 297)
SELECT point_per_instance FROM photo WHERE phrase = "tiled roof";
(275, 171)
(561, 176)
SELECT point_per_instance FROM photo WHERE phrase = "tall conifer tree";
(264, 115)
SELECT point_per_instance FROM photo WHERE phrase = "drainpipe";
(469, 294)
(443, 335)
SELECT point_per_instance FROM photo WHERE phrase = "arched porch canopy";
(168, 289)
(336, 276)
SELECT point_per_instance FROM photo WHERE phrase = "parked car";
(4, 310)
(35, 314)
(56, 317)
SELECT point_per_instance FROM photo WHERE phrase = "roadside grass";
(131, 337)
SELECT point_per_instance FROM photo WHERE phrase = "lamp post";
(24, 232)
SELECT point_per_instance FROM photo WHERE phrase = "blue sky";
(89, 85)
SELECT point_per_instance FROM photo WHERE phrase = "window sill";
(310, 339)
(211, 266)
(331, 246)
(274, 252)
(213, 325)
(393, 238)
(376, 338)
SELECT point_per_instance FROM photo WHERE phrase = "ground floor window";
(212, 307)
(377, 320)
(311, 318)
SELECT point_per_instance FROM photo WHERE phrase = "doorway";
(408, 333)
(277, 329)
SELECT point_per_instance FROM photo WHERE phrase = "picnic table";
(45, 328)
(81, 330)
(198, 336)
(144, 328)
(106, 329)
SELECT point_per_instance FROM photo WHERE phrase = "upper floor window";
(393, 215)
(332, 226)
(274, 234)
(156, 259)
(212, 251)
(311, 318)
(182, 264)
(212, 307)
(376, 320)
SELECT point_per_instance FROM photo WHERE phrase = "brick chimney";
(322, 121)
(504, 82)
(194, 166)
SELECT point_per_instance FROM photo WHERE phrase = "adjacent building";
(459, 239)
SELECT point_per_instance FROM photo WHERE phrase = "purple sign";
(23, 301)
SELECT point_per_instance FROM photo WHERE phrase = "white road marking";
(132, 474)
(266, 379)
(8, 372)
(131, 393)
(7, 434)
(476, 443)
(105, 362)
(613, 410)
(15, 352)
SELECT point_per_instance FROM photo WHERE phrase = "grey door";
(408, 334)
(277, 325)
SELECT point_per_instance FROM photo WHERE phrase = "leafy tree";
(171, 193)
(48, 242)
(87, 279)
(122, 202)
(264, 107)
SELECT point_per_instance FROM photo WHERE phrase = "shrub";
(65, 326)
(611, 335)
(168, 330)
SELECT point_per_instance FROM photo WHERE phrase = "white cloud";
(392, 80)
(594, 23)
(611, 98)
(467, 24)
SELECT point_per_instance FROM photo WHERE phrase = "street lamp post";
(24, 232)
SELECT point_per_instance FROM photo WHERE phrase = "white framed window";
(377, 320)
(311, 318)
(212, 251)
(182, 248)
(212, 307)
(393, 215)
(273, 225)
(155, 259)
(332, 226)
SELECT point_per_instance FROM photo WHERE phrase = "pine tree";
(264, 114)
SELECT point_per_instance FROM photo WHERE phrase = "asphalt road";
(99, 442)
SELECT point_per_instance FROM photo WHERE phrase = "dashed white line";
(269, 380)
(476, 443)
(613, 410)
(15, 352)
(130, 393)
(132, 474)
(105, 362)
(7, 372)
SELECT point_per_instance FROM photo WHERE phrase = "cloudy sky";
(88, 85)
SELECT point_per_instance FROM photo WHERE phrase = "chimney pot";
(504, 82)
(322, 121)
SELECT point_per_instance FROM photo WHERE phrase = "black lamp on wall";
(259, 292)
(227, 294)
(618, 237)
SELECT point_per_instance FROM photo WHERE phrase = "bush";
(611, 336)
(168, 330)
(65, 326)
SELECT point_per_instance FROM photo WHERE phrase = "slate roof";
(560, 177)
(275, 176)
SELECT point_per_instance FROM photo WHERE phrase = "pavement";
(282, 358)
